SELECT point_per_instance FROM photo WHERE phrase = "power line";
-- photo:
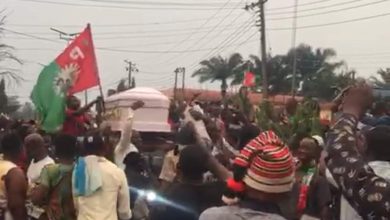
(149, 44)
(148, 3)
(300, 5)
(235, 35)
(331, 11)
(201, 26)
(209, 32)
(30, 35)
(98, 38)
(193, 4)
(36, 49)
(317, 8)
(270, 29)
(214, 27)
(247, 40)
(332, 23)
(123, 46)
(226, 27)
(211, 53)
(163, 52)
(181, 21)
(203, 29)
(192, 8)
(116, 25)
(122, 7)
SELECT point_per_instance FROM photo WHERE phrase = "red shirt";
(74, 124)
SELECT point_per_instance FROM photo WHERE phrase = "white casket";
(152, 117)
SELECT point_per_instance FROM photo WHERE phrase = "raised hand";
(357, 99)
(138, 104)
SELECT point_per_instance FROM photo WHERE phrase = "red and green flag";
(74, 70)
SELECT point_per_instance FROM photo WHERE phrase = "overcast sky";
(141, 30)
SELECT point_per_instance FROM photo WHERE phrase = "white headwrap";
(319, 140)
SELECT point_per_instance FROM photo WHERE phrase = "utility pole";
(68, 37)
(175, 85)
(260, 6)
(177, 71)
(293, 43)
(131, 67)
(183, 83)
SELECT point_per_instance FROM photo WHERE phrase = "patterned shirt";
(368, 193)
(246, 209)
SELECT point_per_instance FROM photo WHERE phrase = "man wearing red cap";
(263, 175)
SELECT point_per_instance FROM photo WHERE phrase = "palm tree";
(122, 86)
(277, 73)
(221, 69)
(312, 62)
(315, 69)
(384, 81)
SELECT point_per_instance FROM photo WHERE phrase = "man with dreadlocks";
(263, 174)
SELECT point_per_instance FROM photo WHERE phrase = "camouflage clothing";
(368, 193)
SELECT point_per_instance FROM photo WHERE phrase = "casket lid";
(139, 93)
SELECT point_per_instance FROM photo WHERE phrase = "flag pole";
(100, 84)
(102, 104)
(102, 95)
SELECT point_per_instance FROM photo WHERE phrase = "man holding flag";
(76, 121)
(73, 71)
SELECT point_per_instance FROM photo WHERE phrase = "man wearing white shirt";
(125, 146)
(105, 195)
(36, 149)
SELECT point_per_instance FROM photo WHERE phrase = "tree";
(12, 74)
(221, 69)
(121, 86)
(8, 105)
(314, 67)
(305, 121)
(26, 112)
(315, 71)
(277, 73)
(111, 92)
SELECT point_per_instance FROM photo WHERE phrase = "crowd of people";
(218, 164)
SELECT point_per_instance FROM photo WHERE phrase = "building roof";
(215, 95)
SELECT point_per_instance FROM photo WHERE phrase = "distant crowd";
(218, 163)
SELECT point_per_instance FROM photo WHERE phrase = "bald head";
(35, 146)
(34, 138)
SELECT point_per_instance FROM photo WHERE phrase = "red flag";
(79, 61)
(249, 79)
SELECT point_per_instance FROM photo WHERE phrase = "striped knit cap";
(269, 164)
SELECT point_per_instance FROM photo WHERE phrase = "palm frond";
(385, 75)
(235, 60)
(12, 76)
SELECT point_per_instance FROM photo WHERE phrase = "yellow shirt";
(111, 201)
(5, 167)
